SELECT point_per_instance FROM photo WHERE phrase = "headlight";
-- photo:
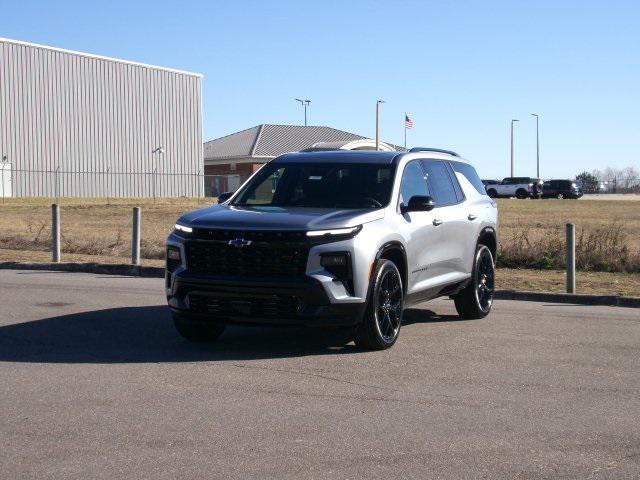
(183, 228)
(335, 231)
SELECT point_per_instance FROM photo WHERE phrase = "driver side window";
(413, 182)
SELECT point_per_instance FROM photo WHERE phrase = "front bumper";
(301, 302)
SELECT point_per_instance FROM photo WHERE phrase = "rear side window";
(439, 182)
(470, 174)
(413, 183)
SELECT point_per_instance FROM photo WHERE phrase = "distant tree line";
(610, 180)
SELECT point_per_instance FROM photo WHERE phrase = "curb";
(102, 268)
(575, 298)
(158, 272)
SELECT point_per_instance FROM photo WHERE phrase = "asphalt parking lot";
(96, 384)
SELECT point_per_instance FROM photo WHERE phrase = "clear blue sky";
(463, 69)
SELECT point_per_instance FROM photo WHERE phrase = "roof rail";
(437, 150)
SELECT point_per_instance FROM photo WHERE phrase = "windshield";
(319, 185)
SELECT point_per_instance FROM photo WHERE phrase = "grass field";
(531, 233)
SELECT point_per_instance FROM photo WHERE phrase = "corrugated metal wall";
(79, 125)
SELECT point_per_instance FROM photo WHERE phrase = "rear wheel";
(560, 196)
(197, 331)
(380, 326)
(522, 193)
(476, 299)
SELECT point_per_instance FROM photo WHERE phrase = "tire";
(522, 194)
(197, 331)
(560, 196)
(492, 192)
(476, 299)
(382, 320)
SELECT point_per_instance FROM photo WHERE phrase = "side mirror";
(418, 203)
(223, 197)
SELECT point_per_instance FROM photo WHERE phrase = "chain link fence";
(110, 184)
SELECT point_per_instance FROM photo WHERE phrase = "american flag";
(408, 122)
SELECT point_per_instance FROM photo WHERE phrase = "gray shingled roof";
(268, 140)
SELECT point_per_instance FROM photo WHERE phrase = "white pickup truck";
(519, 187)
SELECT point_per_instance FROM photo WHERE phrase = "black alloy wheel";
(381, 324)
(476, 299)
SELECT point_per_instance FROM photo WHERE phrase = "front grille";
(276, 257)
(268, 306)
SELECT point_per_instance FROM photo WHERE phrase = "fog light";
(333, 260)
(338, 264)
(173, 258)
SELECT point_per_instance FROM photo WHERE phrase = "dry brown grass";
(531, 232)
(91, 226)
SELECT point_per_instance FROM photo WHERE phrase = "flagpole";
(405, 130)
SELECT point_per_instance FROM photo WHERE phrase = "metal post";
(135, 237)
(55, 232)
(513, 165)
(154, 184)
(571, 258)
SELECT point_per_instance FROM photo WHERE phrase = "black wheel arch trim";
(404, 272)
(489, 231)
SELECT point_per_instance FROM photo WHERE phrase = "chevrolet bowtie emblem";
(239, 242)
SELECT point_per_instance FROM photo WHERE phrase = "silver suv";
(336, 238)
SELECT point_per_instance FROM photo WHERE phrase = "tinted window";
(439, 182)
(470, 174)
(412, 182)
(456, 184)
(315, 185)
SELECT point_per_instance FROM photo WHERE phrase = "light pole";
(159, 151)
(512, 149)
(537, 147)
(305, 104)
(378, 102)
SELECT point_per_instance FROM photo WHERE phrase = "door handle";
(437, 222)
(472, 217)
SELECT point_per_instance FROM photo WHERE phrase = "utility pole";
(378, 102)
(513, 165)
(537, 147)
(305, 104)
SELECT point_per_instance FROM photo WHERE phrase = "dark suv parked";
(561, 189)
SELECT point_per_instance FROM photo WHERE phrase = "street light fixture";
(305, 103)
(537, 146)
(378, 102)
(512, 148)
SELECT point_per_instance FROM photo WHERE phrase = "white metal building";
(75, 124)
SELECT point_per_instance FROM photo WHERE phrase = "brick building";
(235, 157)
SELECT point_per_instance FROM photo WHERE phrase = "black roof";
(339, 156)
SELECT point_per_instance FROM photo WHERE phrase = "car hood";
(278, 218)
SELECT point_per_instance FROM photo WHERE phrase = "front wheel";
(380, 326)
(492, 192)
(476, 299)
(197, 331)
